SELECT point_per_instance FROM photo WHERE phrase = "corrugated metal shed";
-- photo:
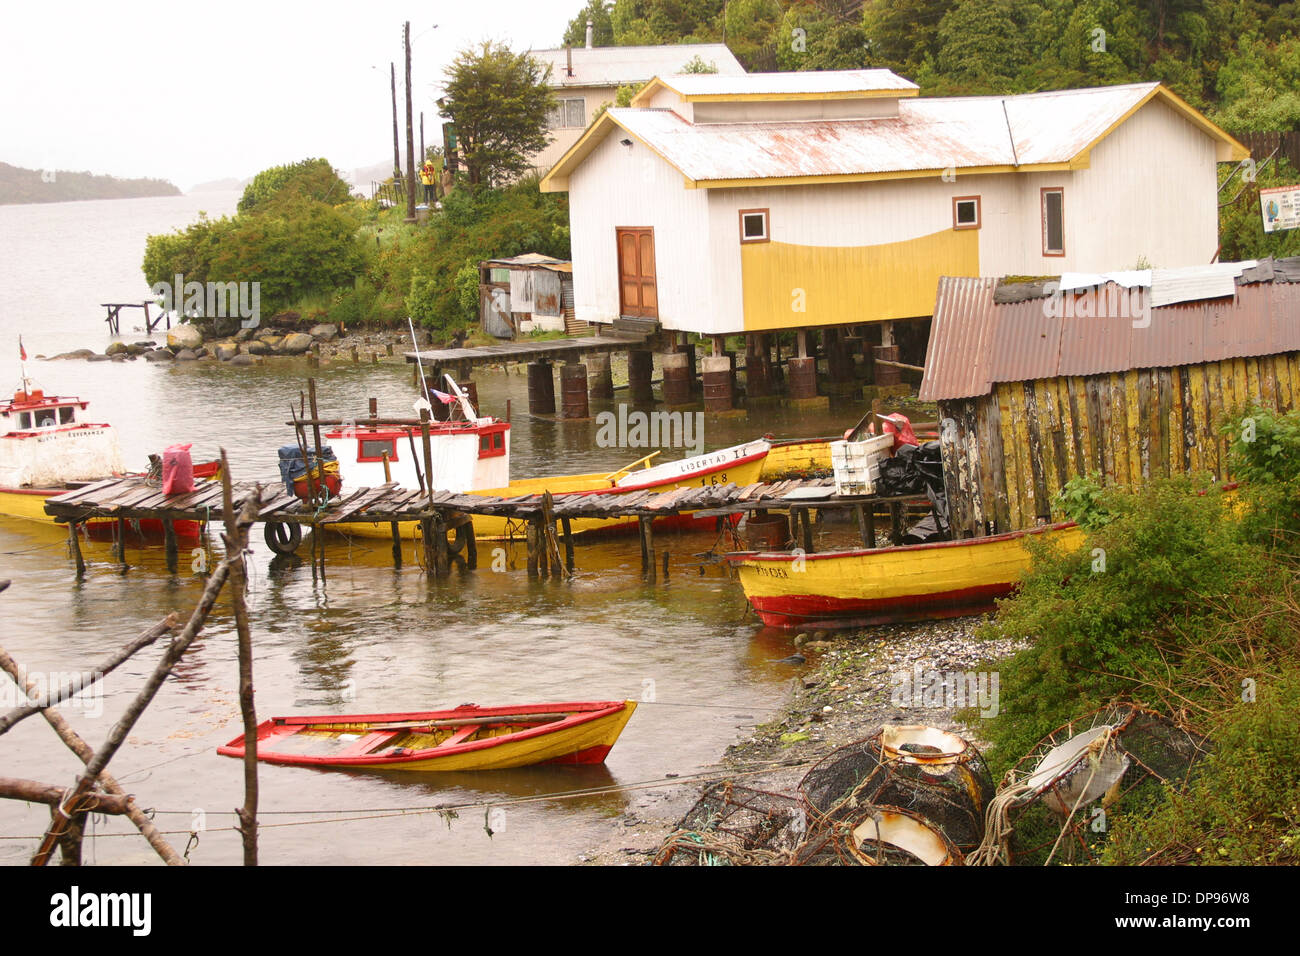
(977, 341)
(618, 65)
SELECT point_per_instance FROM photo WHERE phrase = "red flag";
(443, 396)
(22, 352)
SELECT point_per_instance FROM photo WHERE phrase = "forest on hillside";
(1236, 60)
(18, 185)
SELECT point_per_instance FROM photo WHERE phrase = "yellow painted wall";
(837, 285)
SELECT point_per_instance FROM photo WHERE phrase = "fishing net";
(932, 774)
(878, 836)
(1059, 801)
(736, 826)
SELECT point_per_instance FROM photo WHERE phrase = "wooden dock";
(441, 514)
(544, 350)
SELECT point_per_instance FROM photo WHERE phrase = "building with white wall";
(722, 204)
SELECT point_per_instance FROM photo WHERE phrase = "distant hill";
(18, 185)
(229, 185)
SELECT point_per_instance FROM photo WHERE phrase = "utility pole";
(397, 149)
(423, 154)
(410, 138)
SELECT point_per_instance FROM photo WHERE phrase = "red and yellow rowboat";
(466, 738)
(887, 585)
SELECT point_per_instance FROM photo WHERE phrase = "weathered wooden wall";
(1009, 453)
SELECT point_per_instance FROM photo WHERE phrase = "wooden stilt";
(121, 540)
(645, 552)
(169, 539)
(648, 544)
(397, 544)
(530, 533)
(74, 543)
(441, 560)
(426, 541)
(471, 547)
(543, 547)
(567, 527)
(665, 566)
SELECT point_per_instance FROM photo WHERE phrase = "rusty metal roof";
(530, 260)
(976, 342)
(619, 65)
(776, 85)
(928, 134)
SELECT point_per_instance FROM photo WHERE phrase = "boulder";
(116, 348)
(243, 335)
(92, 357)
(241, 359)
(225, 350)
(296, 343)
(184, 337)
(186, 355)
(324, 332)
(76, 354)
(260, 348)
(138, 348)
(158, 355)
(200, 352)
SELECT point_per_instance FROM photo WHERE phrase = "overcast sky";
(193, 92)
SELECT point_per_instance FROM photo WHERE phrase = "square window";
(65, 414)
(966, 212)
(575, 113)
(374, 449)
(1053, 222)
(753, 225)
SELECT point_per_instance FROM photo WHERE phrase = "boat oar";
(623, 471)
(465, 721)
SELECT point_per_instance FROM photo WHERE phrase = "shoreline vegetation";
(19, 186)
(1193, 613)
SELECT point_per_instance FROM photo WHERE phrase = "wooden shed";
(1130, 376)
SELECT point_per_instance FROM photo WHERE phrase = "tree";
(309, 179)
(498, 101)
(982, 47)
(602, 27)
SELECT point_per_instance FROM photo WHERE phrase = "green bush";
(1169, 559)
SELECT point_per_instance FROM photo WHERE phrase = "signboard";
(449, 145)
(1280, 207)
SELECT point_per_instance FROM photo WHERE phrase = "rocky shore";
(325, 343)
(841, 690)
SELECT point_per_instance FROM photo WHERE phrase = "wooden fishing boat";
(468, 737)
(887, 585)
(47, 449)
(472, 456)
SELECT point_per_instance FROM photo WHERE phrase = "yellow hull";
(797, 458)
(496, 528)
(15, 504)
(888, 584)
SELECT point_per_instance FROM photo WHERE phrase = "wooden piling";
(567, 526)
(397, 544)
(428, 452)
(120, 544)
(530, 534)
(169, 540)
(471, 547)
(74, 543)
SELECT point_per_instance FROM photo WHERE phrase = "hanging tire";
(283, 537)
(456, 540)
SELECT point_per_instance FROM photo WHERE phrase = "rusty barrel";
(573, 391)
(640, 365)
(803, 377)
(677, 378)
(719, 383)
(888, 374)
(758, 381)
(541, 389)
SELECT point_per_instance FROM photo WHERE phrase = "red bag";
(178, 470)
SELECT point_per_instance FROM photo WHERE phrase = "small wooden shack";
(1128, 376)
(524, 293)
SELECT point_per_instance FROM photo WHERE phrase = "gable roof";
(974, 134)
(980, 336)
(811, 85)
(620, 65)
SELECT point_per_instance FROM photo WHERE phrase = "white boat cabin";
(45, 444)
(466, 455)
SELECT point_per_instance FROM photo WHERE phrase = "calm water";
(370, 638)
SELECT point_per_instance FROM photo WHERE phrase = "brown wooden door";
(636, 273)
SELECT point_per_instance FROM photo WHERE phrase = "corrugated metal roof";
(618, 65)
(796, 83)
(533, 260)
(976, 342)
(928, 134)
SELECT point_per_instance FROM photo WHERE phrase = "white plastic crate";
(857, 464)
